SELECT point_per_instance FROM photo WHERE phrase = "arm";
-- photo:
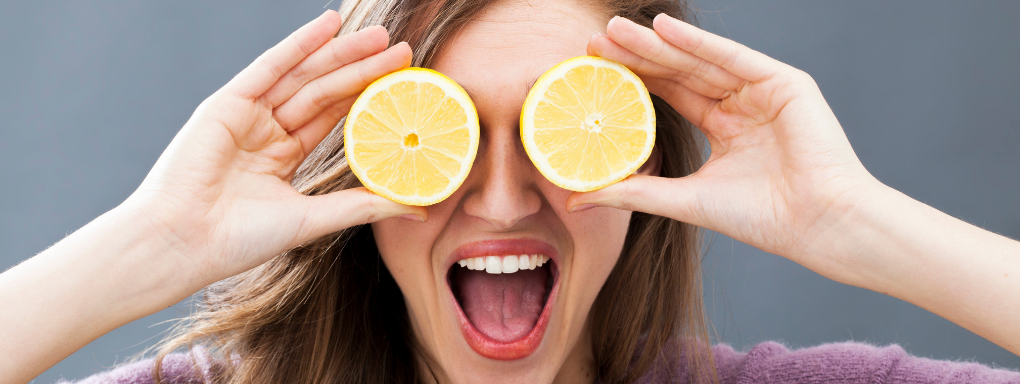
(906, 249)
(93, 281)
(783, 177)
(218, 201)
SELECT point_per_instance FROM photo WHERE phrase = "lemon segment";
(411, 136)
(587, 123)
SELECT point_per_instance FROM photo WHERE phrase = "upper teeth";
(504, 264)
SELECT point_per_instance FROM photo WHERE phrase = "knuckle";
(656, 50)
(209, 102)
(362, 76)
(338, 55)
(625, 194)
(806, 78)
(272, 67)
(696, 42)
(264, 103)
(372, 207)
(641, 66)
(283, 122)
(669, 92)
(730, 58)
(367, 210)
(682, 77)
(299, 74)
(801, 79)
(320, 97)
(336, 112)
(305, 46)
(702, 68)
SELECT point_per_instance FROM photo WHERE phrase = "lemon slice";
(587, 123)
(411, 136)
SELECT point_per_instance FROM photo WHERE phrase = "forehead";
(498, 54)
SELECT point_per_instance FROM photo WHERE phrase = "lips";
(503, 291)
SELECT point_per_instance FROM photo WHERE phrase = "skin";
(505, 197)
(782, 177)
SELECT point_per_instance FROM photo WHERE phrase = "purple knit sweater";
(767, 362)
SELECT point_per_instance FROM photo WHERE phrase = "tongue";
(504, 307)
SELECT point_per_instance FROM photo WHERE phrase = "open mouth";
(503, 291)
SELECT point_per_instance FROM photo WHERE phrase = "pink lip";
(520, 348)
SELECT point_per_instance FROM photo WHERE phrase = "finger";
(649, 45)
(340, 84)
(258, 77)
(601, 45)
(337, 53)
(344, 209)
(312, 133)
(735, 58)
(692, 105)
(673, 198)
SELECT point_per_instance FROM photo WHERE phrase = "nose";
(502, 187)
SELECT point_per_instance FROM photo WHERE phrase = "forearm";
(95, 280)
(901, 247)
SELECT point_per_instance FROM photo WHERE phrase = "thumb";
(668, 197)
(344, 209)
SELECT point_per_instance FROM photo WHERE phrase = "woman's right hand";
(218, 201)
(220, 195)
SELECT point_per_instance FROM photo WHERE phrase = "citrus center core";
(593, 123)
(411, 140)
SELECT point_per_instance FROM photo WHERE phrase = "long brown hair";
(330, 312)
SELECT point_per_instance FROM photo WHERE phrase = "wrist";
(848, 236)
(150, 245)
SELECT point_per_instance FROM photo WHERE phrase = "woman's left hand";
(781, 168)
(783, 177)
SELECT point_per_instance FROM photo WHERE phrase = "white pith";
(504, 264)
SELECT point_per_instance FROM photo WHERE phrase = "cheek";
(406, 247)
(599, 234)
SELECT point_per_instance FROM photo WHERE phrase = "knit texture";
(178, 368)
(844, 363)
(767, 362)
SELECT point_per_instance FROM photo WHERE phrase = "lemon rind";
(527, 123)
(452, 89)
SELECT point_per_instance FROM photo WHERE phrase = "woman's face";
(530, 325)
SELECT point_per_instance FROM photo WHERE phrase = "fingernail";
(582, 207)
(413, 217)
(594, 34)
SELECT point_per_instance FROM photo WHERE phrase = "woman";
(253, 197)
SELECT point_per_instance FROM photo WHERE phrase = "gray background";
(91, 93)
